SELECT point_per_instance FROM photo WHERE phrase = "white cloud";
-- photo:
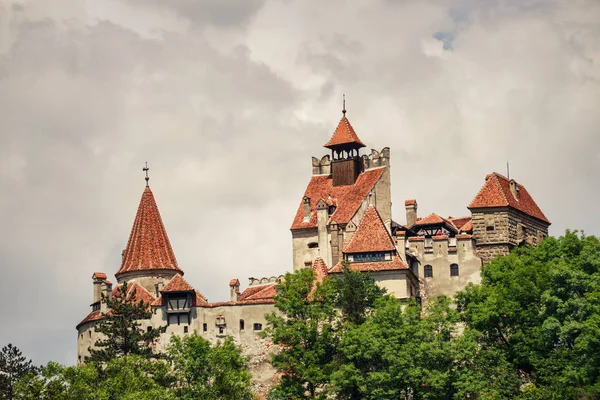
(228, 103)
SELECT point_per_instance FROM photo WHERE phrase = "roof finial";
(507, 171)
(344, 104)
(147, 178)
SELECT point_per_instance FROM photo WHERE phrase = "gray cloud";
(228, 103)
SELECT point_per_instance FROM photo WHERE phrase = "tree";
(13, 366)
(355, 294)
(209, 372)
(304, 328)
(398, 353)
(538, 311)
(129, 377)
(121, 328)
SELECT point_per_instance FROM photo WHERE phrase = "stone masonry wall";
(510, 227)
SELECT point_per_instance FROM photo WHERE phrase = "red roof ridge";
(395, 264)
(496, 192)
(348, 198)
(344, 134)
(371, 235)
(177, 284)
(148, 247)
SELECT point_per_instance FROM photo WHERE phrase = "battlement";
(375, 159)
(261, 281)
(440, 246)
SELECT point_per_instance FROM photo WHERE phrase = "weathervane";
(344, 104)
(147, 178)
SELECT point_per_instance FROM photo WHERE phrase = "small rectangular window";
(204, 327)
(185, 329)
(221, 330)
(453, 269)
(428, 271)
(489, 228)
(149, 329)
(258, 327)
(241, 324)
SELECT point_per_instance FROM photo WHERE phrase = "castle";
(344, 215)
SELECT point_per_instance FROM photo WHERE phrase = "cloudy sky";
(228, 101)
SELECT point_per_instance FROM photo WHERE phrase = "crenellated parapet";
(322, 166)
(377, 158)
(440, 246)
(262, 281)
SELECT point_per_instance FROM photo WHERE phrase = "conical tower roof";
(148, 248)
(344, 136)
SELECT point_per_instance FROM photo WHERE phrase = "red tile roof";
(395, 264)
(259, 292)
(99, 275)
(410, 202)
(439, 237)
(320, 269)
(371, 235)
(496, 193)
(177, 284)
(234, 282)
(344, 134)
(348, 197)
(93, 316)
(467, 227)
(140, 292)
(148, 247)
(132, 287)
(459, 222)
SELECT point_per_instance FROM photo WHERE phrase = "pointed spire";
(344, 135)
(148, 247)
(147, 178)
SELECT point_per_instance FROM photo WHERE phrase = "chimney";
(234, 290)
(401, 244)
(98, 278)
(158, 287)
(306, 202)
(411, 212)
(106, 289)
(514, 189)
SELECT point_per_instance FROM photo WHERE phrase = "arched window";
(428, 271)
(453, 269)
(241, 324)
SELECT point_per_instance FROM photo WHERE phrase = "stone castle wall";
(497, 231)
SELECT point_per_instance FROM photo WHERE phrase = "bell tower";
(346, 163)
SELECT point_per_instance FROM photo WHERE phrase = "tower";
(148, 258)
(337, 196)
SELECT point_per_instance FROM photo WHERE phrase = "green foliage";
(356, 293)
(304, 329)
(398, 354)
(310, 326)
(122, 330)
(211, 373)
(538, 312)
(13, 366)
(529, 331)
(126, 378)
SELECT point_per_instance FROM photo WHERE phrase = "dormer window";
(331, 210)
(369, 257)
(178, 303)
